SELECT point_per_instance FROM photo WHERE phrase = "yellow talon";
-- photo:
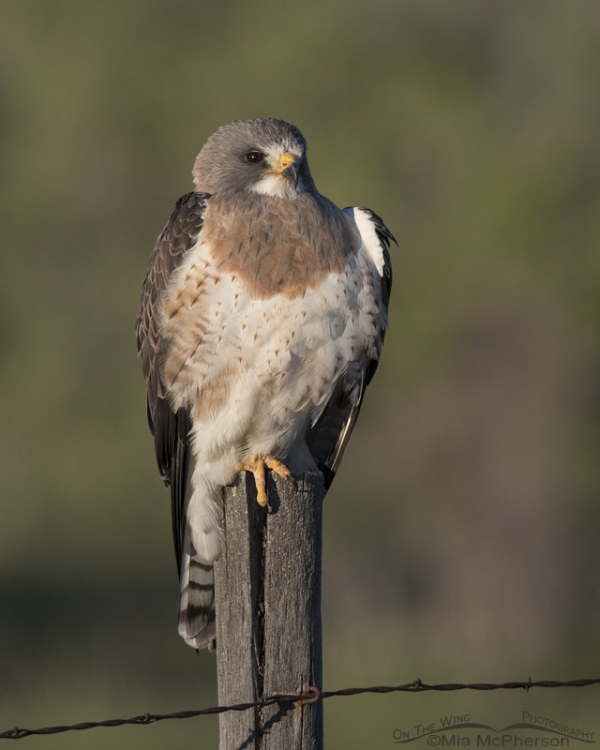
(258, 466)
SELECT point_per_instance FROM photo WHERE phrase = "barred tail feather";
(197, 602)
(201, 547)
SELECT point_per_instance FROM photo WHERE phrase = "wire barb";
(311, 695)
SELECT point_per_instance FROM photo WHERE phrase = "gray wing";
(170, 429)
(329, 436)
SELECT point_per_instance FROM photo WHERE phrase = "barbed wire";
(311, 695)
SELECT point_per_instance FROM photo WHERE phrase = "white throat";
(278, 187)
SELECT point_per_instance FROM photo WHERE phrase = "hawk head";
(263, 156)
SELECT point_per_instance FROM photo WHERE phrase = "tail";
(201, 548)
(197, 602)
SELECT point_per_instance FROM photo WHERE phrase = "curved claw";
(258, 466)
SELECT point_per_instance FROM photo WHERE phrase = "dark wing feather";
(385, 237)
(170, 429)
(329, 436)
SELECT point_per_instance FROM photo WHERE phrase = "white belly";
(258, 372)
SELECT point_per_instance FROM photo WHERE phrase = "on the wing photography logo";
(459, 730)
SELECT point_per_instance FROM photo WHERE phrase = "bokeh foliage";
(461, 538)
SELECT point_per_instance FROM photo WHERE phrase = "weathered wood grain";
(268, 598)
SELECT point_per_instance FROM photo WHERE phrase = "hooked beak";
(288, 168)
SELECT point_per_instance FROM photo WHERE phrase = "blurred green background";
(461, 536)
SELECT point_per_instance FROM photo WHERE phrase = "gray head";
(264, 156)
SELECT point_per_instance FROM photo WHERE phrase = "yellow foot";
(258, 466)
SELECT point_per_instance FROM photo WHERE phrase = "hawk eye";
(254, 157)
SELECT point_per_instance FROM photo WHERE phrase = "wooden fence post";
(268, 599)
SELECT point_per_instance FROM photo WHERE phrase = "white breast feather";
(277, 360)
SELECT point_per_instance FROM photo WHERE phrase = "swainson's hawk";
(261, 323)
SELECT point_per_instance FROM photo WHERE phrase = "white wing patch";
(371, 242)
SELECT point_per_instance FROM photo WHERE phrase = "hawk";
(261, 323)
